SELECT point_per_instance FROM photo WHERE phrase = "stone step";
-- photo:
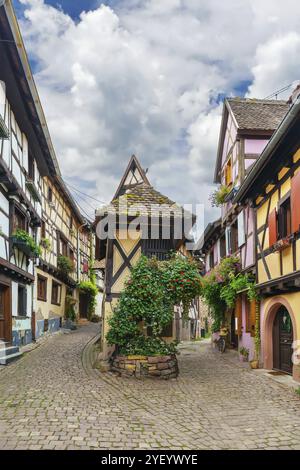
(9, 358)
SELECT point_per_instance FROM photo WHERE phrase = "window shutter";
(241, 229)
(295, 202)
(238, 315)
(252, 317)
(273, 227)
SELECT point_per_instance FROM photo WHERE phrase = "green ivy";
(70, 308)
(45, 243)
(148, 299)
(23, 236)
(90, 289)
(221, 287)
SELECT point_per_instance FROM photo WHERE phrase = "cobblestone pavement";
(48, 400)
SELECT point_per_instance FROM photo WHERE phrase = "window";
(228, 172)
(31, 167)
(211, 259)
(43, 229)
(63, 247)
(19, 222)
(71, 223)
(234, 238)
(50, 195)
(222, 247)
(71, 256)
(42, 288)
(22, 301)
(56, 293)
(284, 219)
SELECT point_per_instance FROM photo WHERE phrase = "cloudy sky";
(148, 77)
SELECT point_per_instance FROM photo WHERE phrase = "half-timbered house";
(35, 205)
(153, 234)
(273, 189)
(246, 127)
(66, 240)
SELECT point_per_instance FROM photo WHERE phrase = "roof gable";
(134, 174)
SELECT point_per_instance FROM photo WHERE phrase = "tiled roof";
(254, 114)
(138, 200)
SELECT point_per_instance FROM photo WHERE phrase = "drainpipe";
(78, 250)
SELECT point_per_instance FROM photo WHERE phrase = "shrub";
(149, 298)
(45, 243)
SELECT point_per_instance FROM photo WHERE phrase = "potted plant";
(45, 243)
(218, 197)
(25, 243)
(244, 354)
(65, 265)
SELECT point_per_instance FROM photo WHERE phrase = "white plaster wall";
(14, 298)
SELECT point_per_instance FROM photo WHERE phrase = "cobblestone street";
(49, 400)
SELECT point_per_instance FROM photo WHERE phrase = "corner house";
(273, 188)
(123, 247)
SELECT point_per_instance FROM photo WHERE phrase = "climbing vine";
(221, 287)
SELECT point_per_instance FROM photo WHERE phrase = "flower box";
(22, 246)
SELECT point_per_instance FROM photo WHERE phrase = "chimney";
(294, 95)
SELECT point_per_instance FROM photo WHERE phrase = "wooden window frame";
(18, 210)
(24, 313)
(50, 194)
(283, 224)
(44, 279)
(58, 300)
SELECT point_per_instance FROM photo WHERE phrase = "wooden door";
(282, 341)
(5, 316)
(83, 305)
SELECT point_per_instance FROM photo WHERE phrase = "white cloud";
(144, 77)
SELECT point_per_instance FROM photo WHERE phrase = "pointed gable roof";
(135, 192)
(134, 174)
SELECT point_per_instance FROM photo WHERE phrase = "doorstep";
(283, 379)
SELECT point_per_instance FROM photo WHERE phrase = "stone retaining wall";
(161, 367)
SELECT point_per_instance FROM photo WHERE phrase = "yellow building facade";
(273, 187)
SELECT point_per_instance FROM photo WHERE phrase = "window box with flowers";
(21, 240)
(284, 243)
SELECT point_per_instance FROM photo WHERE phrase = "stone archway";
(267, 328)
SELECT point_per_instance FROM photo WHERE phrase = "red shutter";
(273, 227)
(238, 315)
(295, 202)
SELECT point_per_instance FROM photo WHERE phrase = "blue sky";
(148, 77)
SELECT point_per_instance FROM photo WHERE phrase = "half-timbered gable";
(144, 223)
(273, 188)
(246, 127)
(37, 212)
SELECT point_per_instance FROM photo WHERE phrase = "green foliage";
(237, 283)
(23, 236)
(90, 289)
(45, 243)
(244, 352)
(221, 287)
(149, 298)
(298, 391)
(217, 197)
(65, 265)
(149, 346)
(70, 313)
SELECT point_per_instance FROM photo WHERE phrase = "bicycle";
(221, 343)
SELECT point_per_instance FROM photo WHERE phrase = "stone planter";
(159, 367)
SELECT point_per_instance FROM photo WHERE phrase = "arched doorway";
(282, 341)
